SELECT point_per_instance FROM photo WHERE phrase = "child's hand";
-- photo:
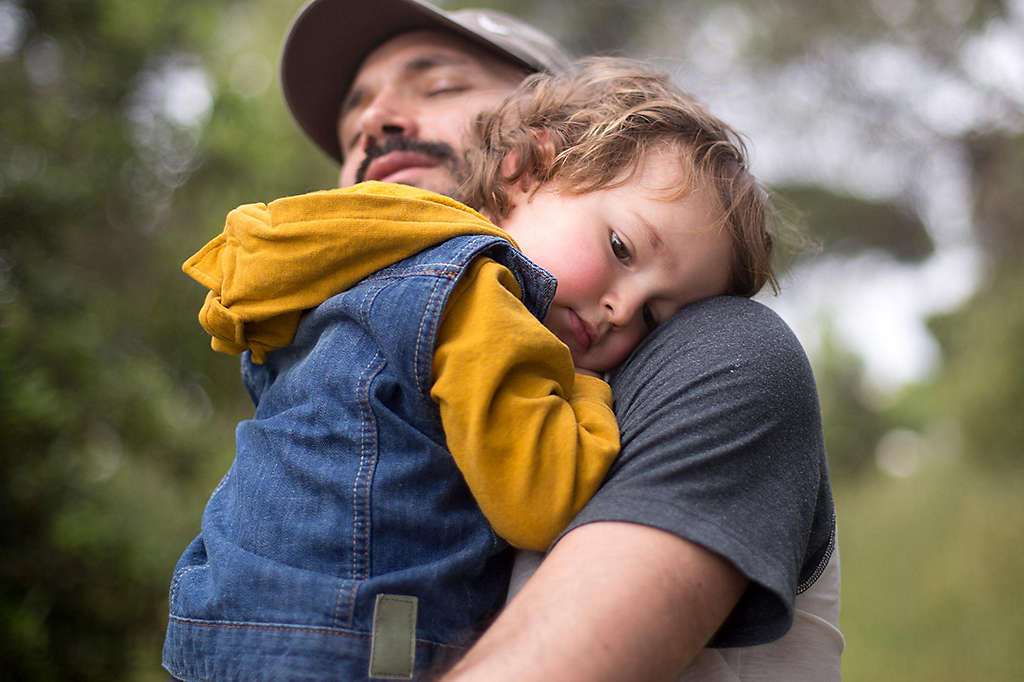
(589, 373)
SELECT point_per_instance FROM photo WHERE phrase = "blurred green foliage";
(117, 420)
(853, 423)
(982, 382)
(848, 225)
(929, 570)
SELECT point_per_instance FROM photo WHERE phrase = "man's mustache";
(444, 153)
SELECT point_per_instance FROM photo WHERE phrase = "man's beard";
(443, 153)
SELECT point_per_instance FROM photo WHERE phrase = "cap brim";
(329, 39)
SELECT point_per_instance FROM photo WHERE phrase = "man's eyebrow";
(351, 100)
(429, 61)
(413, 67)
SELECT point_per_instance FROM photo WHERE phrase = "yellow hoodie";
(532, 438)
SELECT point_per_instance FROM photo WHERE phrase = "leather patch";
(393, 647)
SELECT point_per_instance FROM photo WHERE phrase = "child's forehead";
(674, 200)
(666, 171)
(663, 168)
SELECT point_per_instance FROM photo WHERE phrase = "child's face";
(625, 258)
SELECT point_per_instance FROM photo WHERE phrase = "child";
(403, 422)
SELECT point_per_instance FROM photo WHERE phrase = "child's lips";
(582, 332)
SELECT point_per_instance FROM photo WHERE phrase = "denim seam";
(434, 270)
(228, 625)
(361, 504)
(234, 625)
(450, 271)
(425, 346)
(223, 482)
(176, 582)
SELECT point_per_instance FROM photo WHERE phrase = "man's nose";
(388, 114)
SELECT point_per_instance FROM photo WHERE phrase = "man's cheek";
(347, 176)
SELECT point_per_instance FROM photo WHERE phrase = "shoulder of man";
(722, 444)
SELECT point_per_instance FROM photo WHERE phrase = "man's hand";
(612, 601)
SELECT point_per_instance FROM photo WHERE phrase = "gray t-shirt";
(722, 445)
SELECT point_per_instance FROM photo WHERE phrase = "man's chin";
(433, 179)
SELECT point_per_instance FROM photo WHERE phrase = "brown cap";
(329, 39)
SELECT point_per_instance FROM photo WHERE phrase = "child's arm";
(532, 438)
(274, 261)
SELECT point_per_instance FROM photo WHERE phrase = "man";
(716, 523)
(402, 80)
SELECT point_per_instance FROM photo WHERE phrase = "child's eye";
(649, 320)
(619, 248)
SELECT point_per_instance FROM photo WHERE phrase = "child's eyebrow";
(653, 238)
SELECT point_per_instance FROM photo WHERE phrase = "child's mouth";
(581, 331)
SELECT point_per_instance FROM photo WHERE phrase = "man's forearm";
(612, 601)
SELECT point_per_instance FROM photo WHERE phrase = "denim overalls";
(341, 490)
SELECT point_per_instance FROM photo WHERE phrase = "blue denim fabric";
(341, 489)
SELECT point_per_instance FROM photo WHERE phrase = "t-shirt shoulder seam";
(830, 548)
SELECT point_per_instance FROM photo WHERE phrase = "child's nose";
(622, 308)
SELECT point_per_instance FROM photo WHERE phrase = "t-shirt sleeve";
(722, 445)
(532, 438)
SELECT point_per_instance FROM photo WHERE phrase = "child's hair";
(588, 128)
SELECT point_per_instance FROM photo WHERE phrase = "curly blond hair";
(589, 128)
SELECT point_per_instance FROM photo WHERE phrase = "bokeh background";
(128, 128)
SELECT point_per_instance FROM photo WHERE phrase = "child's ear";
(516, 173)
(509, 167)
(544, 148)
(541, 154)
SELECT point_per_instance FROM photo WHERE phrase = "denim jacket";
(342, 490)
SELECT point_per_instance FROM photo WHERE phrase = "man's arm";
(612, 601)
(722, 456)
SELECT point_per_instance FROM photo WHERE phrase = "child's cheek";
(581, 281)
(618, 347)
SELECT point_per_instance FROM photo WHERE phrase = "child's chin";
(590, 371)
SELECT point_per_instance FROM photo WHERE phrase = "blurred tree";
(997, 164)
(848, 225)
(982, 379)
(110, 441)
(853, 422)
(130, 127)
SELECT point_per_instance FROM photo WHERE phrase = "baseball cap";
(328, 40)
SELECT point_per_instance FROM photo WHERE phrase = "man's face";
(407, 113)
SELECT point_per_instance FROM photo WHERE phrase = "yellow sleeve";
(273, 261)
(532, 438)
